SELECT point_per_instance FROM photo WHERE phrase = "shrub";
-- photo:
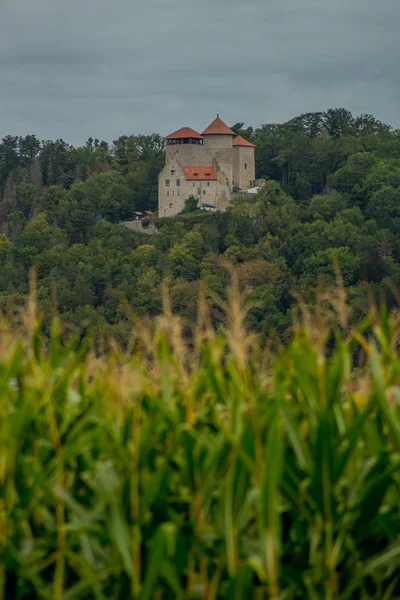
(191, 204)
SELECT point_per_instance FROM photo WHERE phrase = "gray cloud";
(104, 68)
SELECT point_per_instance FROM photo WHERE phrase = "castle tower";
(177, 181)
(217, 141)
(244, 171)
(184, 145)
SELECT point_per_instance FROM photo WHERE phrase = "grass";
(212, 470)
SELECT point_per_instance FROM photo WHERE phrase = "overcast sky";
(104, 68)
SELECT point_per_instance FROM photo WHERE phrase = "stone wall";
(171, 198)
(149, 229)
(243, 156)
(187, 154)
(220, 149)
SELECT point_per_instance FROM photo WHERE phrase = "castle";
(210, 166)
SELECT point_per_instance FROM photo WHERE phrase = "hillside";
(332, 197)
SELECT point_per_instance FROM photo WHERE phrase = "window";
(227, 181)
(208, 184)
(204, 192)
(172, 171)
(167, 193)
(178, 182)
(173, 192)
(170, 204)
(208, 174)
(178, 192)
(167, 182)
(199, 191)
(245, 165)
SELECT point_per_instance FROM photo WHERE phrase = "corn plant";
(207, 468)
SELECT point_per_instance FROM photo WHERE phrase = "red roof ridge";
(240, 141)
(218, 127)
(198, 173)
(183, 132)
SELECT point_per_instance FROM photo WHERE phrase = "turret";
(244, 172)
(218, 135)
(218, 142)
(184, 135)
(184, 146)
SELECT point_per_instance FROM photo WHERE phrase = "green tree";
(27, 198)
(191, 204)
(326, 207)
(182, 263)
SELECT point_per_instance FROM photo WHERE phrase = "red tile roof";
(218, 127)
(240, 141)
(200, 173)
(184, 132)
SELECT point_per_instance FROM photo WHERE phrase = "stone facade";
(225, 164)
(174, 188)
(243, 167)
(140, 227)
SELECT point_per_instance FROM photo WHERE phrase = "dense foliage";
(213, 470)
(332, 197)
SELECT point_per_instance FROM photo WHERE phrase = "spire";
(218, 127)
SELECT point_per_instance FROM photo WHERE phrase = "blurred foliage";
(215, 469)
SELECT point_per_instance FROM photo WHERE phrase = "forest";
(331, 204)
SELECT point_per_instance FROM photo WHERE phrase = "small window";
(167, 193)
(195, 174)
(170, 204)
(199, 191)
(204, 192)
(173, 192)
(167, 182)
(245, 165)
(208, 174)
(227, 181)
(178, 192)
(172, 171)
(208, 184)
(178, 182)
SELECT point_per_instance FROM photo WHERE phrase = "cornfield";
(204, 466)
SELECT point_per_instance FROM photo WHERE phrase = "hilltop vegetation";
(333, 194)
